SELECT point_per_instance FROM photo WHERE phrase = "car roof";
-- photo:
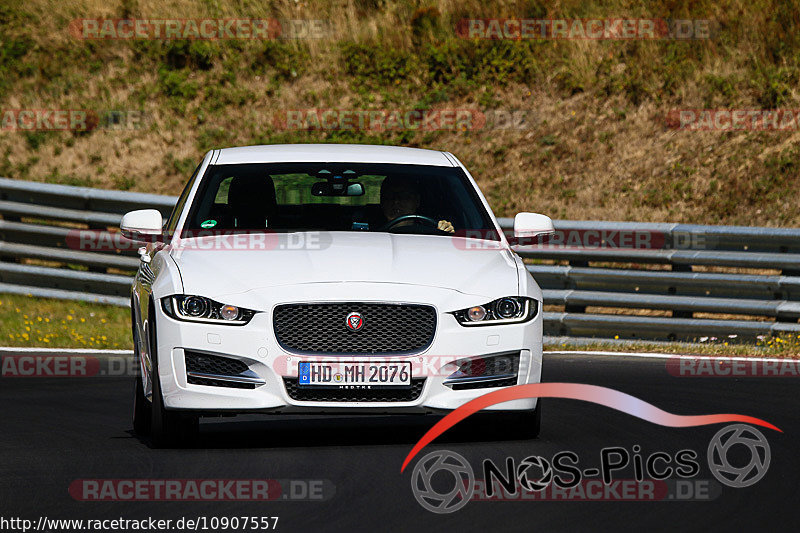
(331, 153)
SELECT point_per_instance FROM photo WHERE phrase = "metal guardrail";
(85, 200)
(604, 279)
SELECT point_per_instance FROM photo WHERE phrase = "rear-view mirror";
(334, 188)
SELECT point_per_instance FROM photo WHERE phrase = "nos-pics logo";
(443, 481)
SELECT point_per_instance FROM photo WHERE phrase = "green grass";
(784, 346)
(43, 322)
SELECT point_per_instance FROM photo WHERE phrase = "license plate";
(372, 375)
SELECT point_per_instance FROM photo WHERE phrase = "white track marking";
(669, 355)
(66, 351)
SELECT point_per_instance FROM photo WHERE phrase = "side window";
(176, 211)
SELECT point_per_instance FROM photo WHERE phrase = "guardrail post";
(4, 258)
(97, 227)
(572, 308)
(678, 313)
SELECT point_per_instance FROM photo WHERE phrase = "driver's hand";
(446, 226)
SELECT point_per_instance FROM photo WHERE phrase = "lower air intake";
(214, 365)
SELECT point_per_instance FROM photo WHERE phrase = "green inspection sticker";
(208, 224)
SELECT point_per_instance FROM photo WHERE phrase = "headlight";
(508, 310)
(193, 306)
(202, 309)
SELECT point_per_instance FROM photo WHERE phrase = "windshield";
(288, 197)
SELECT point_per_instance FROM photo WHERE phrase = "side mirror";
(532, 224)
(142, 223)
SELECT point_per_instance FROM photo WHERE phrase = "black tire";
(528, 424)
(142, 410)
(507, 425)
(168, 428)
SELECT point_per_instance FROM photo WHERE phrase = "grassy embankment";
(596, 144)
(596, 147)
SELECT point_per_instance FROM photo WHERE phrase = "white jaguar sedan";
(329, 279)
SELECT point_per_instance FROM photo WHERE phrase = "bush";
(376, 65)
(35, 139)
(774, 86)
(484, 62)
(11, 66)
(197, 54)
(284, 60)
(181, 167)
(426, 25)
(176, 84)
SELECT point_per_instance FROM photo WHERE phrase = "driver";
(399, 197)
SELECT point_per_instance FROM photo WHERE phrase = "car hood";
(218, 265)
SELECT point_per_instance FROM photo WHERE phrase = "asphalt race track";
(56, 431)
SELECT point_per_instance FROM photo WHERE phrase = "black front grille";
(313, 394)
(214, 364)
(388, 329)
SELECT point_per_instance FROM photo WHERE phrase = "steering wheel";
(421, 218)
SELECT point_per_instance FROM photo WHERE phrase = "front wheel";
(168, 428)
(510, 425)
(527, 424)
(142, 410)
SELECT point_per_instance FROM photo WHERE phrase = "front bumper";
(255, 345)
